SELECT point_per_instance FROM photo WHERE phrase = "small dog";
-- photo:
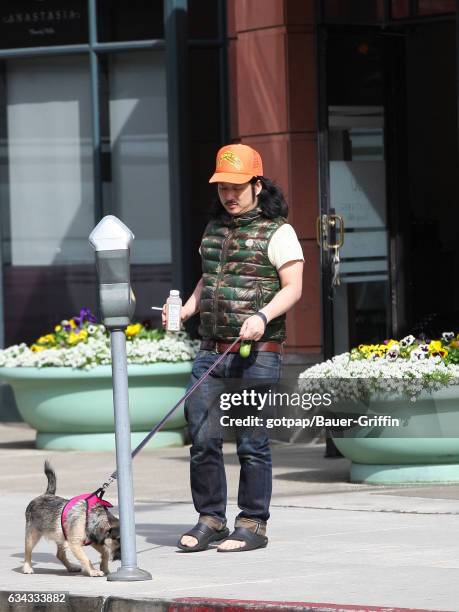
(84, 523)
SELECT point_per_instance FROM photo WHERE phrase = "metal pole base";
(129, 574)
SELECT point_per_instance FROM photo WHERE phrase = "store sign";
(42, 22)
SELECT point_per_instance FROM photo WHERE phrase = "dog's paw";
(73, 569)
(27, 569)
(95, 572)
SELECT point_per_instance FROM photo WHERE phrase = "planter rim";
(99, 371)
(450, 391)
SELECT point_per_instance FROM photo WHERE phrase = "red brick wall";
(272, 85)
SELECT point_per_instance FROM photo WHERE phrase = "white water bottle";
(173, 311)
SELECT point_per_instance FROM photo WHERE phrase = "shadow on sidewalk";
(162, 535)
(16, 435)
(339, 474)
(18, 444)
(39, 558)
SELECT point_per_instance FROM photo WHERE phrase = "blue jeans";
(203, 412)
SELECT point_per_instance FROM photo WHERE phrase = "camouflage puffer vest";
(238, 278)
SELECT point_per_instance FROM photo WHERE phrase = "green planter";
(73, 409)
(423, 449)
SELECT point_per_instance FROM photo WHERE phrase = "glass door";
(358, 200)
(352, 229)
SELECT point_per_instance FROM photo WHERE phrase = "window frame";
(176, 44)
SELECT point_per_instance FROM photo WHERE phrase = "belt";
(220, 347)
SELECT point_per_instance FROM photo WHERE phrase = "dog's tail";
(51, 476)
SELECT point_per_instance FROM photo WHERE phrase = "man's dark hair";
(271, 201)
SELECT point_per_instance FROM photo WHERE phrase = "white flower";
(393, 352)
(96, 351)
(355, 379)
(448, 336)
(418, 355)
(407, 341)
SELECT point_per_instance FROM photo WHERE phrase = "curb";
(76, 603)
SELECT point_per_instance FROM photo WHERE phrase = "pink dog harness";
(91, 500)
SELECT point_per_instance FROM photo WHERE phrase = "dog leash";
(101, 490)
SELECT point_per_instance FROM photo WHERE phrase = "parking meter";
(111, 240)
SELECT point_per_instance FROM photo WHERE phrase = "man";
(252, 275)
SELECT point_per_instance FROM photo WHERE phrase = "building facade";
(354, 105)
(119, 108)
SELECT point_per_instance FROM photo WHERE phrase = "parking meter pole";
(111, 240)
(128, 570)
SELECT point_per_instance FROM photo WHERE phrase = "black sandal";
(252, 540)
(205, 535)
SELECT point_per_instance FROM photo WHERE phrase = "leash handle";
(157, 427)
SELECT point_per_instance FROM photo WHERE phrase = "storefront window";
(400, 9)
(119, 20)
(139, 188)
(47, 193)
(430, 7)
(47, 150)
(372, 11)
(353, 11)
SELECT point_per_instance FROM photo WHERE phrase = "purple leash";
(100, 492)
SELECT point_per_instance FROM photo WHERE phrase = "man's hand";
(253, 328)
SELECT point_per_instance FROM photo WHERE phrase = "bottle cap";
(174, 292)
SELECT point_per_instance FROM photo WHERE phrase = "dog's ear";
(114, 533)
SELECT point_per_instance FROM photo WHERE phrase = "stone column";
(273, 99)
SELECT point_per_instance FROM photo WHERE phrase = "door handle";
(324, 226)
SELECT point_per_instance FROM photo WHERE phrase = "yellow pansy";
(72, 324)
(58, 328)
(73, 338)
(436, 348)
(369, 351)
(36, 349)
(133, 330)
(83, 334)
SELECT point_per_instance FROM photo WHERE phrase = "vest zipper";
(219, 278)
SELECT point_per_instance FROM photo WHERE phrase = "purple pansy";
(85, 315)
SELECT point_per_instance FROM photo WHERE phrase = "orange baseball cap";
(236, 163)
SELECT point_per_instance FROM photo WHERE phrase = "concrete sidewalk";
(333, 545)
